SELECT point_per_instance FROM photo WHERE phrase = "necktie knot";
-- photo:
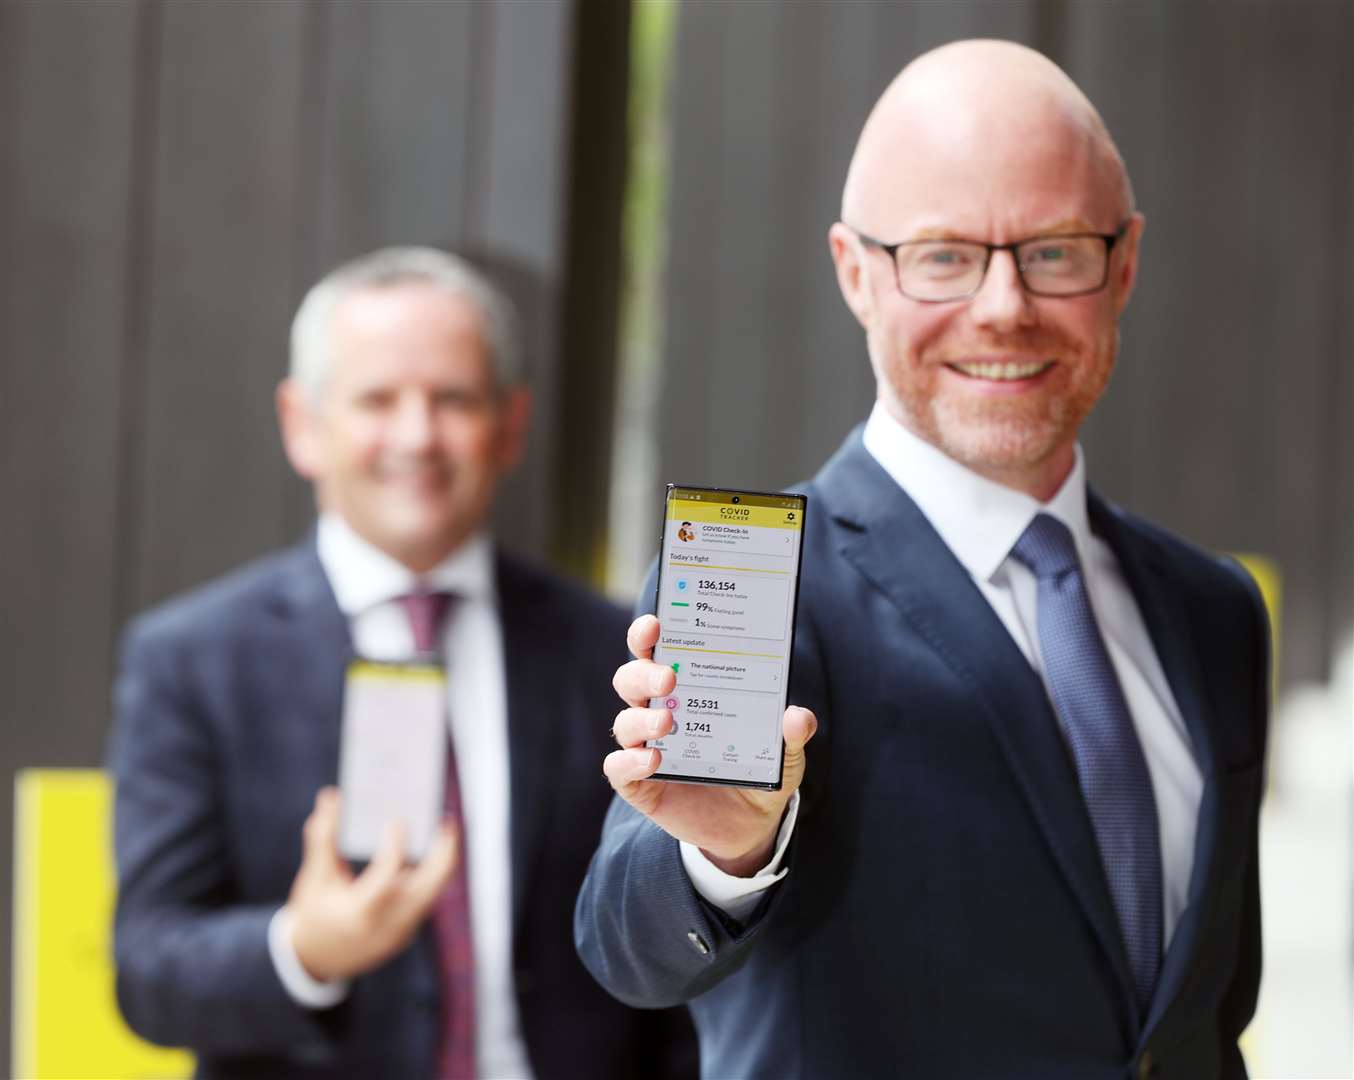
(427, 611)
(1047, 548)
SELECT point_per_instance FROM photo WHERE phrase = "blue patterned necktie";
(1099, 730)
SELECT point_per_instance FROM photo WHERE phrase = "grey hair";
(312, 324)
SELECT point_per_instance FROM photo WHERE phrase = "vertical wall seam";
(314, 116)
(10, 92)
(129, 504)
(474, 198)
(1337, 623)
(11, 50)
(313, 120)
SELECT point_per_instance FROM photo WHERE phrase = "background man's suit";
(228, 721)
(945, 914)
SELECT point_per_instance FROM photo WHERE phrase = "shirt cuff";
(738, 897)
(303, 989)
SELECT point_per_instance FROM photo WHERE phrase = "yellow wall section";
(1266, 574)
(1270, 581)
(66, 1022)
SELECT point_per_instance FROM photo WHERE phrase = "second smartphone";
(728, 586)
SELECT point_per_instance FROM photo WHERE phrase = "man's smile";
(1002, 371)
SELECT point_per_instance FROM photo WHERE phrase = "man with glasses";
(1023, 843)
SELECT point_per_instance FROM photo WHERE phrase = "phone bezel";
(679, 778)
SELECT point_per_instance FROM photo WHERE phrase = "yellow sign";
(1270, 582)
(66, 1022)
(724, 513)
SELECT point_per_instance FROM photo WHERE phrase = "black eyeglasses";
(936, 271)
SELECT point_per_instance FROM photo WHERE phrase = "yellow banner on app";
(366, 669)
(722, 513)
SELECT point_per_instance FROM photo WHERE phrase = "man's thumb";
(798, 727)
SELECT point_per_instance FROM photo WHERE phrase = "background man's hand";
(344, 924)
(735, 827)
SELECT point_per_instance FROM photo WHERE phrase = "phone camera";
(737, 499)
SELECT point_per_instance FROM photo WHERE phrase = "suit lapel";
(889, 541)
(310, 650)
(1167, 624)
(529, 639)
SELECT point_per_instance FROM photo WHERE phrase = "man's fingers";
(640, 680)
(634, 727)
(431, 875)
(624, 767)
(798, 726)
(319, 836)
(384, 869)
(642, 636)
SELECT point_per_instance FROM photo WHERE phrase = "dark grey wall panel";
(225, 192)
(1304, 177)
(67, 190)
(67, 96)
(517, 214)
(1220, 420)
(397, 109)
(828, 349)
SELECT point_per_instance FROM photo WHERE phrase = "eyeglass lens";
(1050, 266)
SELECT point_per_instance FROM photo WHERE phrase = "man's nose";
(1002, 301)
(414, 427)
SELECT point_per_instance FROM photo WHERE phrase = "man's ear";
(851, 277)
(300, 428)
(1125, 274)
(516, 422)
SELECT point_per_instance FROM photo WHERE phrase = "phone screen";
(728, 581)
(393, 755)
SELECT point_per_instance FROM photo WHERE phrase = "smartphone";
(728, 586)
(392, 756)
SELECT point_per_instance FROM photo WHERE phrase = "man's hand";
(734, 827)
(344, 924)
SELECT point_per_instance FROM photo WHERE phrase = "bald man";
(1023, 840)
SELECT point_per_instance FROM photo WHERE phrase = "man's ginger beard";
(1001, 432)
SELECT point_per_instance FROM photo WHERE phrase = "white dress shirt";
(367, 583)
(980, 520)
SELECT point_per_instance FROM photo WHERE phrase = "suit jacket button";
(1147, 1068)
(698, 943)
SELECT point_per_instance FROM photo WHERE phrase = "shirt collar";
(979, 519)
(364, 576)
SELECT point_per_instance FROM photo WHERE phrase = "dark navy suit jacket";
(945, 913)
(228, 706)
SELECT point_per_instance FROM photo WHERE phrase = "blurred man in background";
(1025, 844)
(270, 956)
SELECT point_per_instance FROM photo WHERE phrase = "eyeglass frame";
(891, 250)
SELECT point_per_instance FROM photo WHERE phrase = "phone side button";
(698, 943)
